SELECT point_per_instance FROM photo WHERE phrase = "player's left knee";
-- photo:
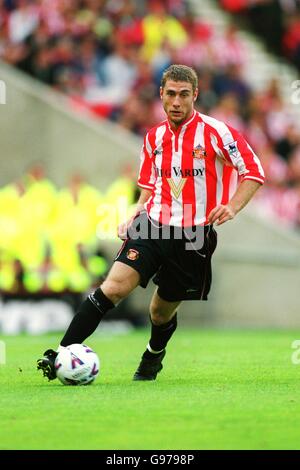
(159, 318)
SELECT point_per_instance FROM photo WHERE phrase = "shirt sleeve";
(146, 177)
(235, 151)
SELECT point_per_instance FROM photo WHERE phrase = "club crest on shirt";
(132, 254)
(199, 152)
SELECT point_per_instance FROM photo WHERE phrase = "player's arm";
(236, 152)
(123, 228)
(146, 181)
(243, 194)
(144, 196)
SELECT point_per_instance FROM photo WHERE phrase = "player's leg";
(136, 262)
(163, 316)
(121, 280)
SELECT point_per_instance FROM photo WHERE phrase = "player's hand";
(123, 229)
(221, 214)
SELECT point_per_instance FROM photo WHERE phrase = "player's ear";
(161, 92)
(196, 94)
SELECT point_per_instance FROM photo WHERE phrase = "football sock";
(88, 317)
(160, 335)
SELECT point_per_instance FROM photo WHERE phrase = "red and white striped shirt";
(190, 170)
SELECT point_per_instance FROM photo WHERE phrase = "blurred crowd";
(108, 56)
(50, 238)
(276, 21)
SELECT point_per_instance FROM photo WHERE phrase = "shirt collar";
(185, 123)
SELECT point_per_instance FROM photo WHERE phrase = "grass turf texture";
(218, 390)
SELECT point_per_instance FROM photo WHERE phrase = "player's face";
(178, 101)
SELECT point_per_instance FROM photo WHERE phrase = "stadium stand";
(107, 57)
(50, 238)
(50, 246)
(276, 22)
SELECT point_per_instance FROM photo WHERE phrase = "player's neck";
(177, 125)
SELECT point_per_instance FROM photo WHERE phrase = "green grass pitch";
(218, 390)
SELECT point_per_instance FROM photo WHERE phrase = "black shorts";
(178, 260)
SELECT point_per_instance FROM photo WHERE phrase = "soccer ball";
(77, 364)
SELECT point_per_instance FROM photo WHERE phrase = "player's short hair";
(180, 73)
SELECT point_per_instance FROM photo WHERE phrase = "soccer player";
(195, 172)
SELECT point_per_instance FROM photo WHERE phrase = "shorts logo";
(199, 152)
(132, 254)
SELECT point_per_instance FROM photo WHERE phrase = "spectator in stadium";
(187, 167)
(18, 287)
(159, 26)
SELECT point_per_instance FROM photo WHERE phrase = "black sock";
(88, 317)
(160, 335)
